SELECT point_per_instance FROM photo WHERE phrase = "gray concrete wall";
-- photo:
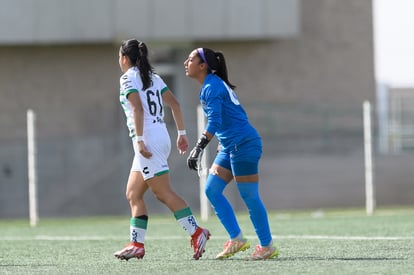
(311, 88)
(303, 94)
(74, 92)
(78, 21)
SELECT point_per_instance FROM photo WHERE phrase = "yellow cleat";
(232, 247)
(264, 253)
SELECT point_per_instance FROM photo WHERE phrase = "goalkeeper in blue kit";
(238, 159)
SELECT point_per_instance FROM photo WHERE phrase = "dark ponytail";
(137, 52)
(216, 63)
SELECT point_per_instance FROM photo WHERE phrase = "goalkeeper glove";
(194, 158)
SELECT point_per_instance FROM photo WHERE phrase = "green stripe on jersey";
(185, 212)
(130, 91)
(164, 90)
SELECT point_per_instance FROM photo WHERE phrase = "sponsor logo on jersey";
(145, 170)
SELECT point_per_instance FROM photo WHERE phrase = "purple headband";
(201, 53)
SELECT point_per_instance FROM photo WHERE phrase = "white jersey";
(151, 99)
(155, 133)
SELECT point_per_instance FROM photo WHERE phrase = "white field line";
(275, 237)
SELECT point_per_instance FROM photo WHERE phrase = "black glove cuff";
(202, 141)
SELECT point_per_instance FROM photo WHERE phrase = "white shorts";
(157, 141)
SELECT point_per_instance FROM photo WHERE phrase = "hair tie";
(201, 53)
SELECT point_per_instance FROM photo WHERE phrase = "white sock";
(239, 237)
(189, 224)
(137, 234)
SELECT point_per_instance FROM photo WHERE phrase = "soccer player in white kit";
(142, 94)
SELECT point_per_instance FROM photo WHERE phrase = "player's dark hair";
(137, 52)
(216, 63)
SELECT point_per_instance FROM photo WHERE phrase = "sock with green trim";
(138, 228)
(187, 220)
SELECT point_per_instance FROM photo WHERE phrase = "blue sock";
(249, 191)
(214, 191)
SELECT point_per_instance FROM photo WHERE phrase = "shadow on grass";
(340, 259)
(287, 259)
(11, 265)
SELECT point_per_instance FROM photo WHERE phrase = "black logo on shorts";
(145, 170)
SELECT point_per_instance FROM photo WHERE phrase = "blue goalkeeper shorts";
(242, 159)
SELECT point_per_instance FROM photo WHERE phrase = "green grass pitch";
(328, 242)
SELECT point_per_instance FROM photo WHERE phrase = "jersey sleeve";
(160, 83)
(127, 85)
(212, 106)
